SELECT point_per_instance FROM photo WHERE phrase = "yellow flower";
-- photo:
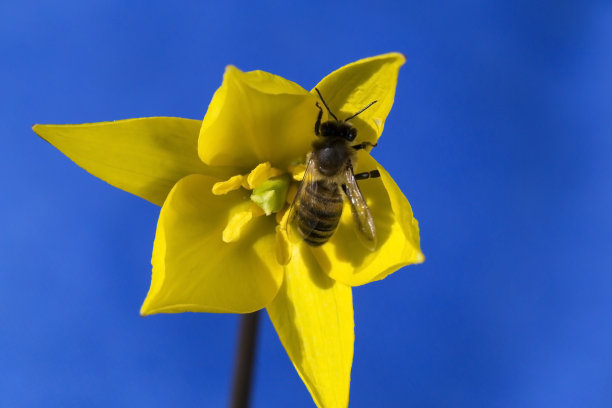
(224, 184)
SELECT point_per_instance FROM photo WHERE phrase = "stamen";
(238, 221)
(297, 171)
(293, 188)
(261, 173)
(232, 231)
(224, 187)
(280, 214)
(269, 195)
(283, 246)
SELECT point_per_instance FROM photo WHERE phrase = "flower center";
(271, 195)
(268, 186)
(272, 191)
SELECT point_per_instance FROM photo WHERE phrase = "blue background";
(500, 137)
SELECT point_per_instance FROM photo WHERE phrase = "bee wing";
(296, 231)
(364, 223)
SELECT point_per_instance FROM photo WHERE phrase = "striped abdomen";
(319, 212)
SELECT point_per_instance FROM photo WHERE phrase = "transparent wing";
(364, 223)
(298, 230)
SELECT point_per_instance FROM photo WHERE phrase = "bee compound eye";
(349, 133)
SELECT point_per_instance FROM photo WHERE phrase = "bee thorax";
(331, 160)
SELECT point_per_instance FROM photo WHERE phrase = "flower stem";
(245, 353)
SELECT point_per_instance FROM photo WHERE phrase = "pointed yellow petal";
(145, 157)
(352, 87)
(345, 259)
(194, 270)
(256, 117)
(313, 316)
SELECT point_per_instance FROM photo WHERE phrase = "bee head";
(343, 130)
(338, 128)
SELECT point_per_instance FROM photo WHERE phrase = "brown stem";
(243, 371)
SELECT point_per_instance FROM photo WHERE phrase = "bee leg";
(318, 122)
(363, 145)
(367, 175)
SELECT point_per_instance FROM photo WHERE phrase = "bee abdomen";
(319, 212)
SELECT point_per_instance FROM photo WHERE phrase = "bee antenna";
(327, 107)
(370, 104)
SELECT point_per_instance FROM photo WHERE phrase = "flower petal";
(346, 260)
(256, 117)
(145, 156)
(194, 270)
(313, 316)
(352, 87)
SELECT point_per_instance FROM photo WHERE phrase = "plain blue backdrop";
(500, 137)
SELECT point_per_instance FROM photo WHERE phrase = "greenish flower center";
(270, 196)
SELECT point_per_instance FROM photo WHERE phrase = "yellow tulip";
(224, 185)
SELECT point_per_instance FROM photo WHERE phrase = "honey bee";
(317, 206)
